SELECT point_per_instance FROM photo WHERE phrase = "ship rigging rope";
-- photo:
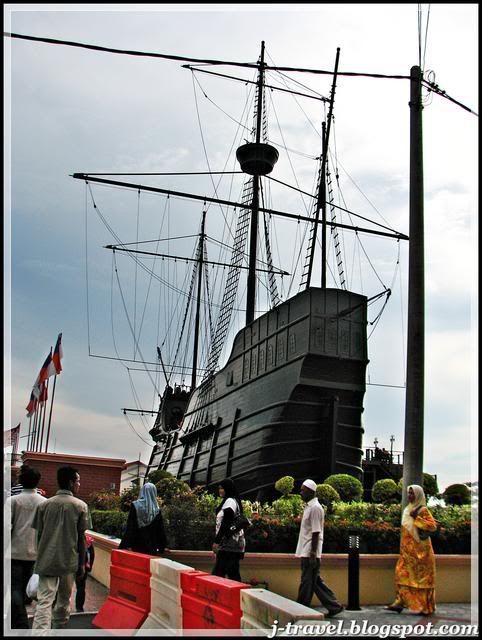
(170, 286)
(128, 320)
(134, 430)
(134, 393)
(266, 86)
(86, 235)
(228, 227)
(136, 400)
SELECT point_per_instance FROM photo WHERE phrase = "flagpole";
(45, 411)
(29, 432)
(50, 415)
(35, 428)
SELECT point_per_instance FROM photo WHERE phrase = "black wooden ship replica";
(288, 400)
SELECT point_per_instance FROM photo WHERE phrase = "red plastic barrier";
(222, 591)
(132, 560)
(188, 583)
(129, 600)
(209, 602)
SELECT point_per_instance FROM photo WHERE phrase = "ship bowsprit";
(288, 401)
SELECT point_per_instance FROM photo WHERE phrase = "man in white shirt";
(23, 548)
(310, 542)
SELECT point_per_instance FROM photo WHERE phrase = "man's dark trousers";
(21, 572)
(311, 583)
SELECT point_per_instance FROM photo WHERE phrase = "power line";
(247, 65)
(164, 56)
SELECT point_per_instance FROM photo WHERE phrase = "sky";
(72, 110)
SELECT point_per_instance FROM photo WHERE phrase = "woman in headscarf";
(228, 546)
(415, 570)
(145, 528)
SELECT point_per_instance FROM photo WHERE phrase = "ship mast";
(202, 237)
(321, 201)
(253, 238)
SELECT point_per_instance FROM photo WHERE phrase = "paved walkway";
(368, 622)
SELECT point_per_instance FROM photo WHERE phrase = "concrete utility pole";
(414, 399)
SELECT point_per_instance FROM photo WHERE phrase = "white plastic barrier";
(261, 608)
(166, 610)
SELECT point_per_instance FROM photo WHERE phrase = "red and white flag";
(43, 397)
(58, 355)
(32, 405)
(47, 370)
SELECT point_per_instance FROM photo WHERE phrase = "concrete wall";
(282, 572)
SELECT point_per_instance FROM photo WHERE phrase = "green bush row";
(187, 530)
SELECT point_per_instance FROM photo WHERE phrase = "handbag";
(239, 522)
(32, 586)
(423, 534)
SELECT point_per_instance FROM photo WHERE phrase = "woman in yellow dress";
(415, 570)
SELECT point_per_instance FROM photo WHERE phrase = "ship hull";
(288, 401)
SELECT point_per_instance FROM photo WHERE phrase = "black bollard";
(353, 572)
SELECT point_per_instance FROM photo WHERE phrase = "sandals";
(394, 607)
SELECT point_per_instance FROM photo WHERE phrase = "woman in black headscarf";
(228, 546)
(145, 528)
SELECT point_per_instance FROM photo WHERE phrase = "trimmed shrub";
(185, 527)
(104, 501)
(348, 488)
(127, 497)
(385, 491)
(285, 485)
(110, 523)
(158, 474)
(171, 489)
(288, 507)
(457, 494)
(327, 495)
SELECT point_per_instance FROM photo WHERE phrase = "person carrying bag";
(229, 543)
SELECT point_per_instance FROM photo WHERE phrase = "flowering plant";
(259, 584)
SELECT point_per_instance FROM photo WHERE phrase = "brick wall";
(96, 474)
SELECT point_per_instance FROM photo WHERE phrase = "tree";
(457, 494)
(349, 488)
(430, 486)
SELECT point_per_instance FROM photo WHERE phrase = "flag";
(47, 370)
(32, 405)
(58, 355)
(43, 396)
(10, 437)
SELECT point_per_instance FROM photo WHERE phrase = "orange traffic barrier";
(210, 602)
(129, 600)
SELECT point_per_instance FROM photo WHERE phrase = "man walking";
(61, 522)
(23, 548)
(310, 542)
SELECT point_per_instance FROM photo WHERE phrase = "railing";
(375, 454)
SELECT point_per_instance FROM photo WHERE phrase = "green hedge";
(110, 523)
(378, 526)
